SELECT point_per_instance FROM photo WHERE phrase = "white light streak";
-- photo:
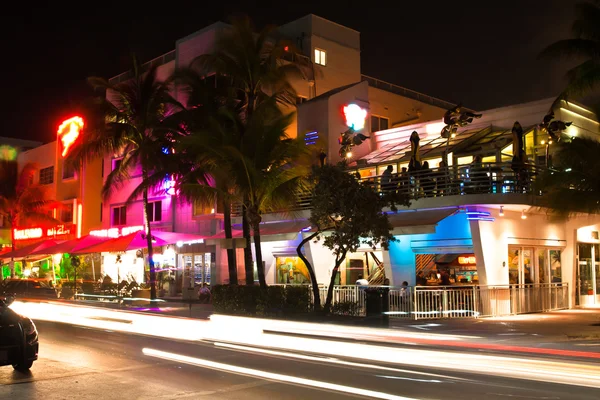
(280, 378)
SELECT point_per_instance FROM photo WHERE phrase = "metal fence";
(434, 302)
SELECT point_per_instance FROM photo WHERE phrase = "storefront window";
(513, 266)
(291, 270)
(586, 283)
(542, 266)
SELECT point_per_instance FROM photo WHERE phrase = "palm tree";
(211, 119)
(585, 45)
(24, 202)
(252, 63)
(271, 171)
(573, 186)
(133, 122)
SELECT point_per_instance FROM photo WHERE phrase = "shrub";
(349, 308)
(252, 300)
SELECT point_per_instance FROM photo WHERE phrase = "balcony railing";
(488, 178)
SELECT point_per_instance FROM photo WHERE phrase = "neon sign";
(355, 116)
(467, 260)
(68, 132)
(37, 233)
(117, 232)
(169, 185)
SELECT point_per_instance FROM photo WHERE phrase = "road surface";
(93, 363)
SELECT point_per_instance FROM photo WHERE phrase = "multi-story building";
(475, 222)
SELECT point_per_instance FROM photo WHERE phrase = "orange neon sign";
(467, 260)
(37, 233)
(69, 131)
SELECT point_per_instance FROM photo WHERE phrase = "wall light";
(523, 216)
(501, 211)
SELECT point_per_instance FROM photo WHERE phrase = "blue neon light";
(311, 138)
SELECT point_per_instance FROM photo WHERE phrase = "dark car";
(18, 338)
(27, 289)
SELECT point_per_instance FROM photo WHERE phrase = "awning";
(137, 240)
(71, 246)
(269, 231)
(28, 250)
(417, 222)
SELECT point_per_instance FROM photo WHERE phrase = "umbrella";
(133, 241)
(71, 246)
(29, 250)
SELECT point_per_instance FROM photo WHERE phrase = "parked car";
(27, 289)
(18, 338)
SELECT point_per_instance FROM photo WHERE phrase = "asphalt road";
(84, 363)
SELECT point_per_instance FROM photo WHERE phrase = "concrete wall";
(401, 110)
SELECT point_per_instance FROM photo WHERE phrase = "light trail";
(249, 332)
(279, 378)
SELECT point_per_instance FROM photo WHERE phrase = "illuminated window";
(119, 215)
(320, 57)
(47, 175)
(379, 123)
(66, 214)
(154, 211)
(201, 208)
(68, 171)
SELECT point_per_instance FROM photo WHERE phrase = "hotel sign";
(39, 233)
(117, 232)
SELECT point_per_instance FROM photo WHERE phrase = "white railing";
(434, 302)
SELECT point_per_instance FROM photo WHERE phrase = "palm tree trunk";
(149, 242)
(311, 272)
(13, 223)
(259, 261)
(329, 299)
(231, 256)
(248, 266)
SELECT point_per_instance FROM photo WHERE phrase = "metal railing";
(390, 87)
(488, 178)
(468, 301)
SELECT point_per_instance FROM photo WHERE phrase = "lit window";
(119, 215)
(47, 175)
(201, 208)
(320, 57)
(154, 211)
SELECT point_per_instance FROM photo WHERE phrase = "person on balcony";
(426, 179)
(387, 184)
(441, 179)
(421, 280)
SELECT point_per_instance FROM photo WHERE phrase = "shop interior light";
(501, 211)
(523, 216)
(349, 154)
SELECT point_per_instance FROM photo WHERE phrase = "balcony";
(491, 183)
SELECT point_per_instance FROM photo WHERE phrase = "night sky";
(483, 53)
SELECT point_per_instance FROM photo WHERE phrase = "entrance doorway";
(588, 274)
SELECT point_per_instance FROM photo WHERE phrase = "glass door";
(588, 274)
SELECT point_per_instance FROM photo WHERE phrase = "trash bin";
(377, 299)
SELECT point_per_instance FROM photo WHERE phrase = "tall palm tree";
(573, 186)
(253, 65)
(271, 169)
(211, 124)
(133, 122)
(24, 202)
(585, 45)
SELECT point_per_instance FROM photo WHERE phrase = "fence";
(434, 302)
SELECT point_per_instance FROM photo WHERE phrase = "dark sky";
(482, 53)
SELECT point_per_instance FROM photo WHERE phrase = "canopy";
(30, 249)
(175, 237)
(133, 241)
(71, 246)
